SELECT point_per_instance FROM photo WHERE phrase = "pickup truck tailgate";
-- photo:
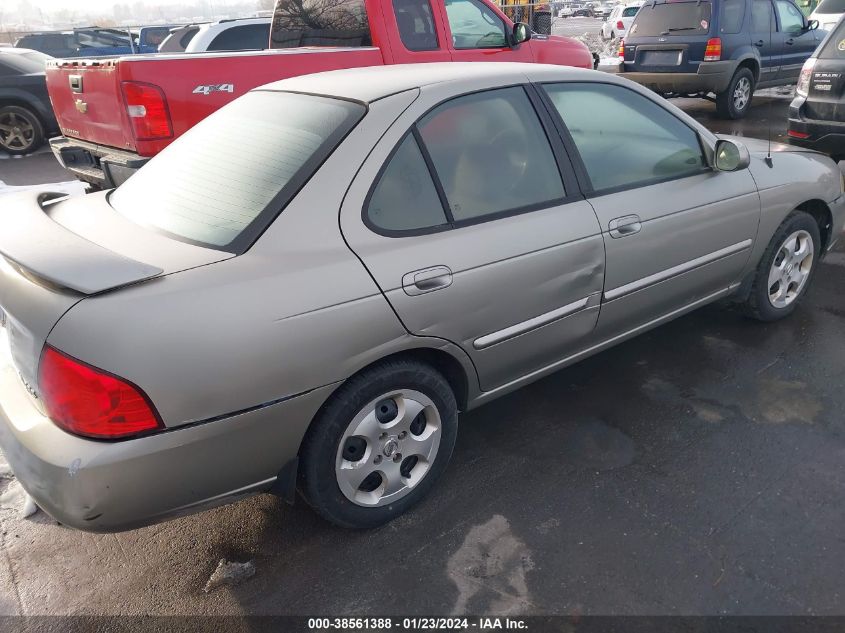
(87, 100)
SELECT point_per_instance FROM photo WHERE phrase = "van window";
(320, 23)
(672, 18)
(416, 24)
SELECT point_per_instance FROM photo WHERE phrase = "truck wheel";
(734, 102)
(379, 444)
(21, 131)
(786, 269)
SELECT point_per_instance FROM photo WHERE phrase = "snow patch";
(16, 498)
(229, 573)
(71, 187)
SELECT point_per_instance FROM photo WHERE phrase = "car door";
(474, 230)
(764, 37)
(796, 42)
(479, 33)
(419, 35)
(676, 232)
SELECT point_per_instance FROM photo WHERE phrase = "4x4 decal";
(208, 89)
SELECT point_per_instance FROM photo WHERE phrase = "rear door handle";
(759, 43)
(426, 280)
(790, 42)
(625, 226)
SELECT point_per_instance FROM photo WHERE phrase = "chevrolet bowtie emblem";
(81, 106)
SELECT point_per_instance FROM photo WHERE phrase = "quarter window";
(416, 24)
(475, 25)
(624, 138)
(405, 198)
(491, 154)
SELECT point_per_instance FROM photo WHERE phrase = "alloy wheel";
(742, 94)
(791, 269)
(16, 133)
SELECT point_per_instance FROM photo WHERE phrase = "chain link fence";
(536, 15)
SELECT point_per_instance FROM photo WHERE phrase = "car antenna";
(768, 158)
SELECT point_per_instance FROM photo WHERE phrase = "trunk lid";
(87, 99)
(54, 253)
(826, 93)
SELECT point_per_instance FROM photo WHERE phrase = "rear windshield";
(672, 18)
(834, 48)
(224, 181)
(629, 12)
(320, 23)
(831, 6)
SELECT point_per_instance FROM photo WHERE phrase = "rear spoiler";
(32, 241)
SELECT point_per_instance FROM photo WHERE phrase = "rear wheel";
(379, 444)
(21, 131)
(734, 102)
(786, 269)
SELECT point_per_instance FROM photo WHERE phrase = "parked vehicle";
(178, 38)
(828, 13)
(231, 35)
(620, 19)
(95, 41)
(582, 12)
(468, 217)
(602, 10)
(26, 116)
(726, 47)
(817, 114)
(135, 106)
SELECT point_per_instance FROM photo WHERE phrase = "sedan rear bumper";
(113, 486)
(101, 166)
(711, 77)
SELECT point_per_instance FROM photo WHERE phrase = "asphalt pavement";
(697, 469)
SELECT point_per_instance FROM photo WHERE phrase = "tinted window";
(629, 12)
(835, 46)
(187, 37)
(320, 23)
(405, 197)
(241, 38)
(762, 17)
(624, 138)
(491, 154)
(673, 18)
(732, 13)
(217, 181)
(416, 24)
(831, 6)
(475, 25)
(791, 19)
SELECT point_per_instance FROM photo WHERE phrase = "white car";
(231, 35)
(619, 20)
(828, 13)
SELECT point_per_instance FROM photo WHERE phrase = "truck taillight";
(147, 109)
(87, 401)
(620, 25)
(713, 52)
(621, 50)
(803, 87)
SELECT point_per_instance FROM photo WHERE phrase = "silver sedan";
(303, 291)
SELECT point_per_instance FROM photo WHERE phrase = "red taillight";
(147, 109)
(795, 134)
(87, 401)
(622, 50)
(713, 52)
(620, 25)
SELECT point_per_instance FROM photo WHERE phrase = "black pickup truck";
(26, 116)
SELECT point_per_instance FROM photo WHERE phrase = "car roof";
(376, 82)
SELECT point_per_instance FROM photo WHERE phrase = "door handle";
(426, 280)
(789, 42)
(623, 227)
(759, 43)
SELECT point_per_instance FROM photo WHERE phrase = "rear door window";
(242, 38)
(225, 180)
(416, 24)
(320, 23)
(762, 17)
(672, 18)
(731, 16)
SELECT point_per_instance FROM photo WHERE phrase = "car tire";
(734, 102)
(363, 423)
(21, 131)
(784, 273)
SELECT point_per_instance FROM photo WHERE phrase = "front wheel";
(21, 131)
(379, 444)
(734, 102)
(786, 269)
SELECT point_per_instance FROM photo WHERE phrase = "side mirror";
(730, 156)
(521, 33)
(812, 25)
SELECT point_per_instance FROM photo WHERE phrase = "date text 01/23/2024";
(417, 624)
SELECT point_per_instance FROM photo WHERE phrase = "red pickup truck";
(115, 113)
